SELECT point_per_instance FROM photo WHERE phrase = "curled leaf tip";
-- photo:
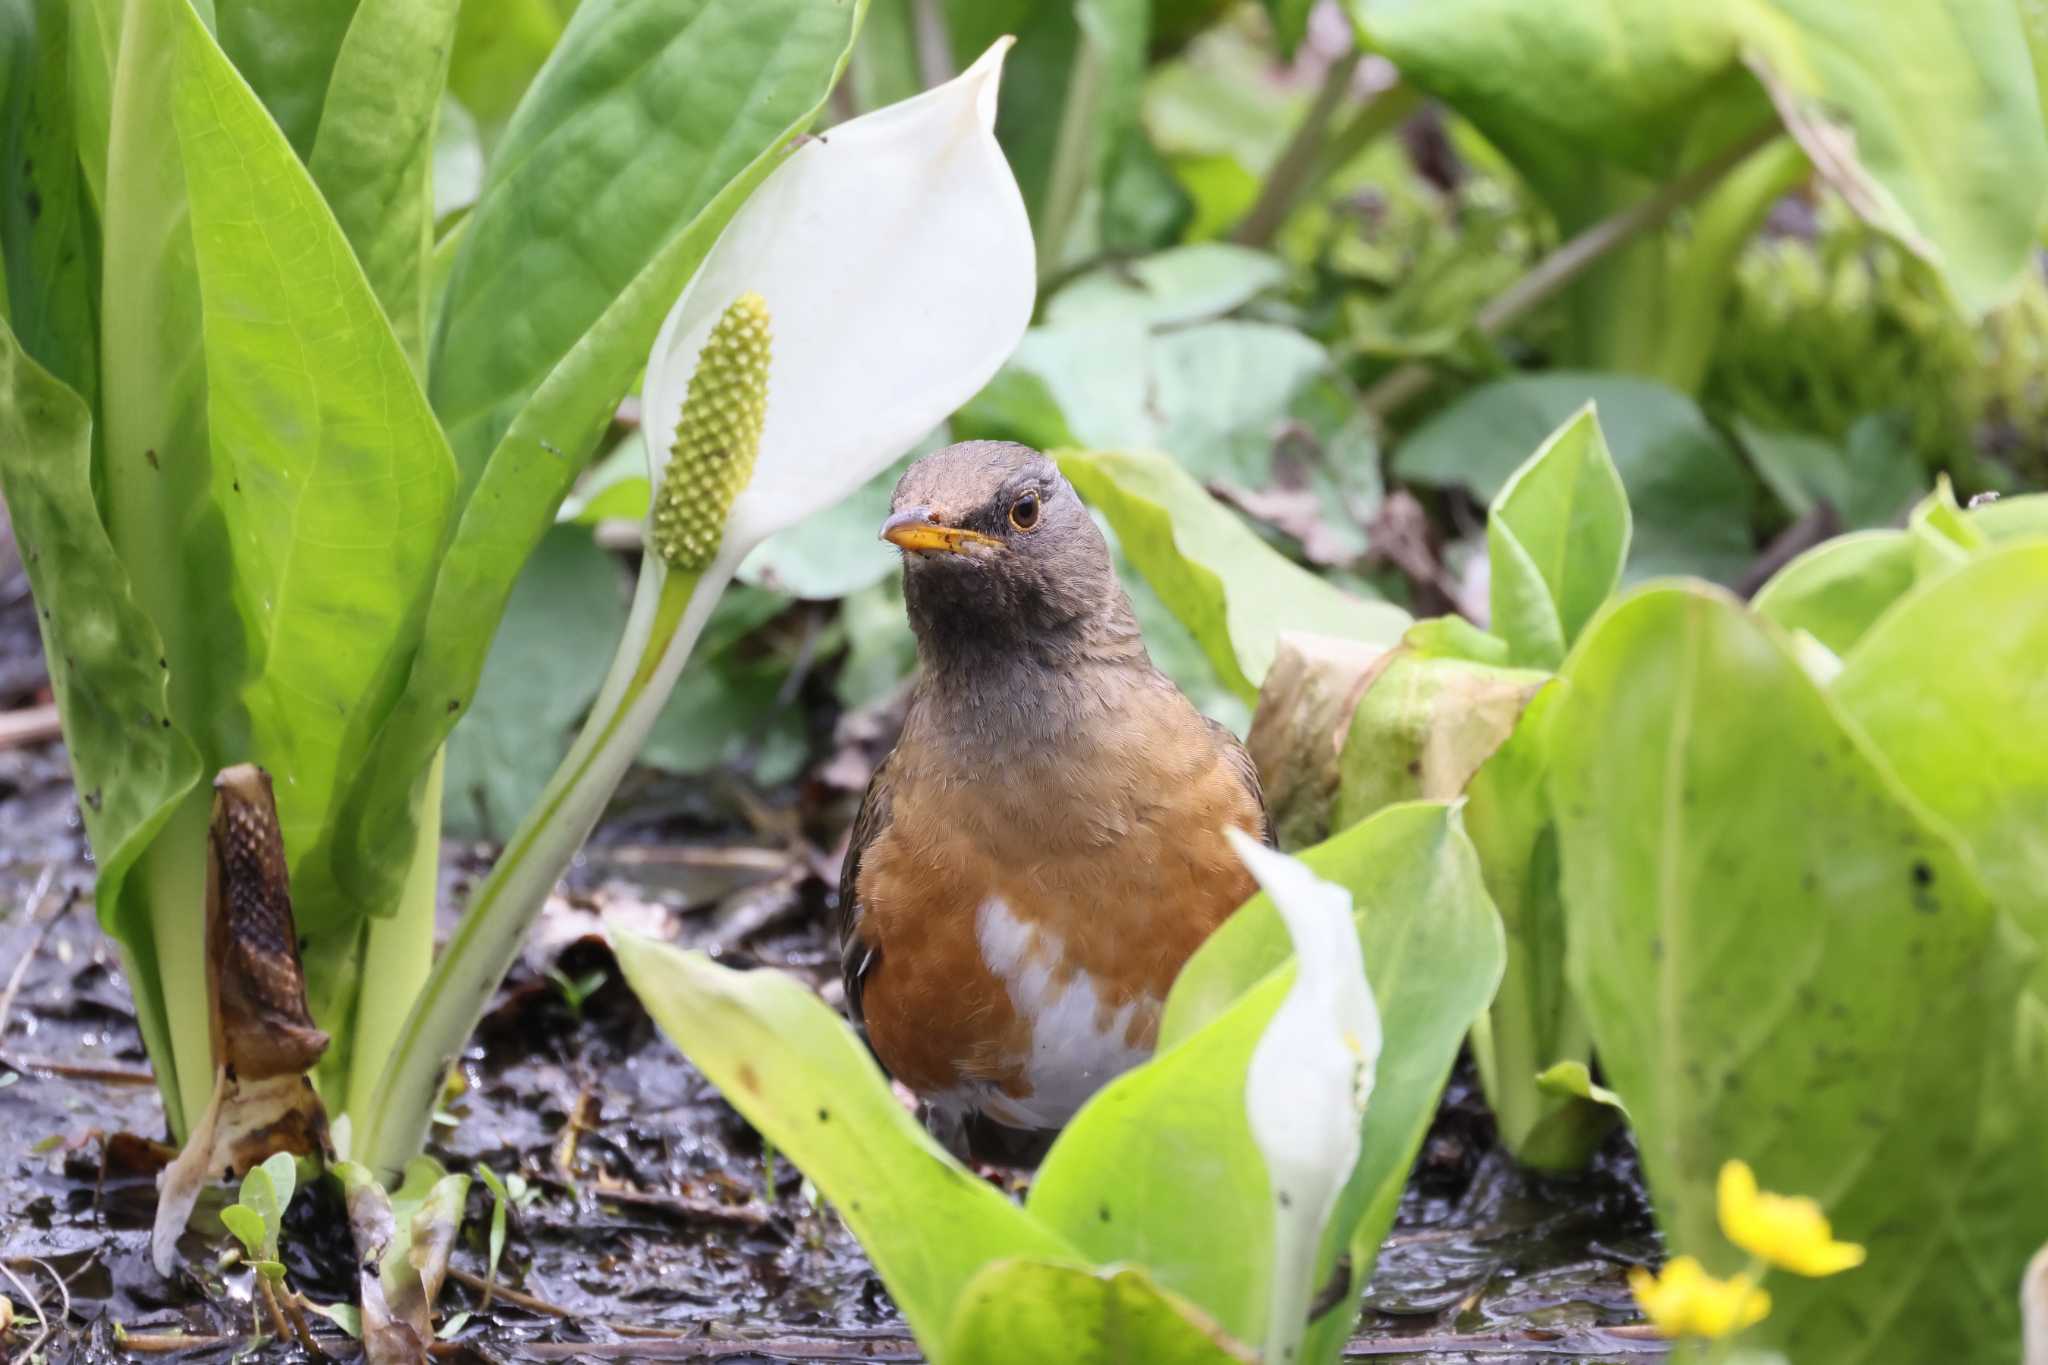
(717, 437)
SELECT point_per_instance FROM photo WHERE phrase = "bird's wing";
(857, 957)
(1248, 773)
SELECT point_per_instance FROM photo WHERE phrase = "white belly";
(1078, 1043)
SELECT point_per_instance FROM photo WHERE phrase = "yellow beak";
(913, 529)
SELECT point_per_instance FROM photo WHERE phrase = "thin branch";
(1294, 171)
(1550, 275)
(490, 1289)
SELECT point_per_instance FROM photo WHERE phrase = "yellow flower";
(1788, 1231)
(1685, 1301)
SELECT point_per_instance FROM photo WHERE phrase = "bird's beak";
(913, 529)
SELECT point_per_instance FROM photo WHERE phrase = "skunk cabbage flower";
(1310, 1077)
(894, 259)
(871, 284)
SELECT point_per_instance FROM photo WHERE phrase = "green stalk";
(1703, 266)
(171, 879)
(394, 1125)
(397, 955)
(1293, 174)
(1073, 161)
(691, 559)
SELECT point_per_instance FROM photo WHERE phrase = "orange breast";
(1026, 966)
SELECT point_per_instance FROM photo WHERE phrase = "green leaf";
(1009, 1313)
(1947, 687)
(375, 150)
(1687, 492)
(1556, 536)
(283, 1170)
(550, 654)
(105, 660)
(2011, 518)
(551, 308)
(1170, 288)
(1953, 163)
(287, 51)
(1838, 589)
(837, 551)
(627, 117)
(1533, 1027)
(1866, 482)
(499, 49)
(1575, 1080)
(1166, 1151)
(1783, 959)
(1018, 406)
(51, 279)
(330, 472)
(501, 1201)
(798, 1074)
(1222, 388)
(248, 1227)
(1225, 584)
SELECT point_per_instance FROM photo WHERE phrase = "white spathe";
(1310, 1077)
(895, 256)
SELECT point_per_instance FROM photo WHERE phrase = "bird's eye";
(1024, 512)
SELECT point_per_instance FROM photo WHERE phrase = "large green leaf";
(1952, 162)
(106, 659)
(337, 482)
(1160, 1167)
(1230, 588)
(1836, 590)
(1556, 539)
(1012, 1312)
(160, 493)
(1533, 1025)
(499, 49)
(1687, 490)
(375, 149)
(646, 111)
(1783, 959)
(664, 116)
(287, 50)
(51, 275)
(799, 1075)
(1948, 688)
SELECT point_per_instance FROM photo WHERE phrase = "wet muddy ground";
(654, 1229)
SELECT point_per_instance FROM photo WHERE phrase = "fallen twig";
(29, 725)
(163, 1343)
(490, 1289)
(40, 917)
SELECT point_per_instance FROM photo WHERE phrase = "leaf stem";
(1073, 161)
(669, 614)
(1295, 171)
(1550, 275)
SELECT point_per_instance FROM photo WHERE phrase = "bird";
(1044, 848)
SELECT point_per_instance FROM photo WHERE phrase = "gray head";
(1000, 558)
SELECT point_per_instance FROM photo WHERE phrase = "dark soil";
(656, 1228)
